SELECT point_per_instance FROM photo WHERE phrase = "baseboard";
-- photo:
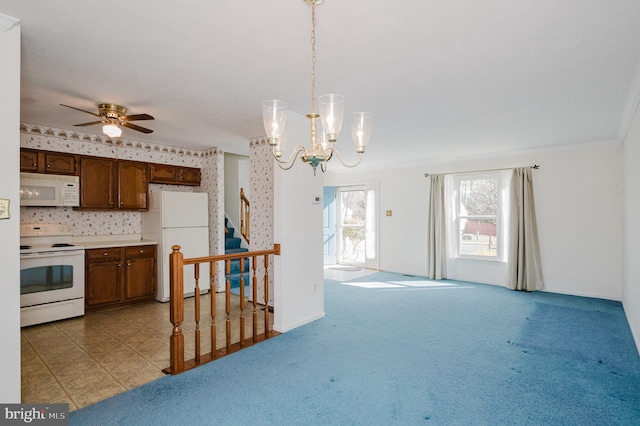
(283, 328)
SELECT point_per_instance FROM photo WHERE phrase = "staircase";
(232, 244)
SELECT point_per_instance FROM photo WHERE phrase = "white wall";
(299, 287)
(578, 196)
(631, 286)
(10, 229)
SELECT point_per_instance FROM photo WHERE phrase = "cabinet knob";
(34, 165)
(105, 254)
(119, 265)
(48, 166)
(129, 264)
(141, 251)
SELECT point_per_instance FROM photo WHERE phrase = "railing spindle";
(228, 301)
(214, 308)
(196, 294)
(254, 290)
(266, 294)
(242, 301)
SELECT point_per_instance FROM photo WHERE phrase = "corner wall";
(10, 228)
(631, 286)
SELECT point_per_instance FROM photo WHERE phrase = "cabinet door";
(97, 182)
(28, 160)
(133, 185)
(103, 283)
(140, 269)
(58, 163)
(189, 176)
(163, 173)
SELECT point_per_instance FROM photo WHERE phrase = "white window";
(478, 216)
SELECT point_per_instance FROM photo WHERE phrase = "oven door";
(51, 277)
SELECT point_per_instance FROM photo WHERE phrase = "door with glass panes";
(356, 242)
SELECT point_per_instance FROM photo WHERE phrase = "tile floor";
(84, 360)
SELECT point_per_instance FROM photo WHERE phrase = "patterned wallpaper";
(212, 174)
(92, 223)
(261, 226)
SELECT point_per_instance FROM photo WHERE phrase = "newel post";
(176, 314)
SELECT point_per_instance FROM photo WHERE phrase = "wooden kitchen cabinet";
(103, 277)
(133, 185)
(36, 161)
(97, 183)
(108, 184)
(174, 175)
(140, 270)
(118, 276)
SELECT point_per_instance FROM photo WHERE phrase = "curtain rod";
(535, 166)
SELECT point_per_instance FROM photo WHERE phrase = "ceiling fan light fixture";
(112, 130)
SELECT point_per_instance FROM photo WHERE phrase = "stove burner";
(62, 245)
(25, 247)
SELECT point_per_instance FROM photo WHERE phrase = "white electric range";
(51, 274)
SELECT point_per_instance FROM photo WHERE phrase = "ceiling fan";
(112, 115)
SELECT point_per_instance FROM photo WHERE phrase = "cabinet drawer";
(97, 255)
(134, 252)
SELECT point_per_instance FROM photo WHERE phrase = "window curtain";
(524, 270)
(436, 249)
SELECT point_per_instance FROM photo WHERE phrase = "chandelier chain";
(313, 57)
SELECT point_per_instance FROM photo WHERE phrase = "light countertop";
(106, 241)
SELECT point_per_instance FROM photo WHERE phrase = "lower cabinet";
(119, 275)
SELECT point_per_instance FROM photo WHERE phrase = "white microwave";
(46, 190)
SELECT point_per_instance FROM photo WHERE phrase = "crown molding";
(7, 22)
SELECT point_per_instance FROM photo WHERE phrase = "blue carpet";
(402, 350)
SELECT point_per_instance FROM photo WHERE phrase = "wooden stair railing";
(245, 215)
(177, 264)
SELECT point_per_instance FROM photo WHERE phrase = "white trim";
(633, 98)
(7, 22)
(282, 328)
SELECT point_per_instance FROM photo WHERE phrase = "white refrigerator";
(178, 218)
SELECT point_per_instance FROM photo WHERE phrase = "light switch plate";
(4, 208)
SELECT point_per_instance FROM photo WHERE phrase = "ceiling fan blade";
(91, 123)
(88, 112)
(135, 127)
(136, 117)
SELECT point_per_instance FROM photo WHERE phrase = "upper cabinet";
(174, 175)
(133, 185)
(107, 184)
(97, 183)
(35, 161)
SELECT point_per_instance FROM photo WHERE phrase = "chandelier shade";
(331, 115)
(274, 116)
(361, 125)
(330, 112)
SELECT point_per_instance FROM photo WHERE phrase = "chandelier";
(331, 111)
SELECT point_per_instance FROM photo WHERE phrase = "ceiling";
(445, 79)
